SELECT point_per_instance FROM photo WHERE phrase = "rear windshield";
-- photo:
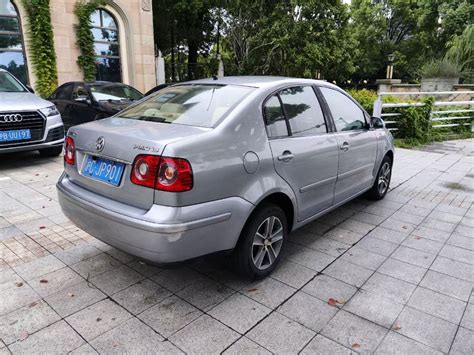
(194, 105)
(114, 92)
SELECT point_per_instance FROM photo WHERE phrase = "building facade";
(123, 42)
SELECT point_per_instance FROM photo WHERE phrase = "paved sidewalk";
(394, 276)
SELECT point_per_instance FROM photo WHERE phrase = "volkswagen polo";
(222, 165)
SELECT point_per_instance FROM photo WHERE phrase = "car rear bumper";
(163, 234)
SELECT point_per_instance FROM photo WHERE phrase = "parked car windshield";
(114, 92)
(194, 105)
(8, 83)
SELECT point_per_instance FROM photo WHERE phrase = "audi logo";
(14, 117)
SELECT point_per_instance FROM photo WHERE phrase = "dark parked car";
(158, 88)
(81, 102)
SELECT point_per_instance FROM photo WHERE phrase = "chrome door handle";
(344, 147)
(286, 156)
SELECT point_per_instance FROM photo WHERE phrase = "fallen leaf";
(404, 227)
(42, 227)
(43, 281)
(19, 284)
(356, 345)
(33, 304)
(332, 302)
(397, 326)
(24, 335)
(252, 290)
(70, 294)
(417, 238)
(98, 319)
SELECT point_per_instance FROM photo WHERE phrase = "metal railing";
(464, 113)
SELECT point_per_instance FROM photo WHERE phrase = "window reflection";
(12, 56)
(106, 46)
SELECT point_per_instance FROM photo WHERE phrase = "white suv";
(27, 122)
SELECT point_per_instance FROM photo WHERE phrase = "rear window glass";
(194, 105)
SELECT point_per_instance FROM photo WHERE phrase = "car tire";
(51, 152)
(259, 248)
(382, 181)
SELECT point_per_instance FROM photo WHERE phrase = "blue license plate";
(17, 135)
(104, 170)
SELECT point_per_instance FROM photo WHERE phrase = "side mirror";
(83, 98)
(377, 122)
(30, 89)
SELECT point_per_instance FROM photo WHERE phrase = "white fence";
(445, 110)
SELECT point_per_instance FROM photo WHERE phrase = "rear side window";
(303, 111)
(346, 114)
(64, 92)
(275, 118)
(194, 105)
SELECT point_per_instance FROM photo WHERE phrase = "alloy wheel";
(384, 178)
(267, 243)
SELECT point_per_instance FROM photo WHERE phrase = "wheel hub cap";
(267, 243)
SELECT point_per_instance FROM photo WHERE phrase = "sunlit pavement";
(394, 276)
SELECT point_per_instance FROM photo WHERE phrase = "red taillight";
(69, 151)
(165, 173)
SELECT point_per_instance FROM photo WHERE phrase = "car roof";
(258, 81)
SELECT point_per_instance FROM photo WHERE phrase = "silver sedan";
(222, 165)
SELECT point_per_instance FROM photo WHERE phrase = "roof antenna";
(214, 77)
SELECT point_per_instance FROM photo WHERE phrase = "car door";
(81, 108)
(304, 152)
(62, 99)
(357, 145)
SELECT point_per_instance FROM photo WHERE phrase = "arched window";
(12, 54)
(106, 44)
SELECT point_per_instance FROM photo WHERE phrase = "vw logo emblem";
(11, 118)
(99, 144)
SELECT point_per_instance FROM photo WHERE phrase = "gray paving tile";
(468, 317)
(311, 259)
(292, 274)
(402, 270)
(239, 312)
(423, 244)
(16, 297)
(133, 337)
(354, 332)
(308, 311)
(74, 298)
(326, 245)
(453, 268)
(395, 343)
(377, 246)
(458, 211)
(144, 268)
(468, 222)
(325, 287)
(120, 255)
(176, 279)
(413, 324)
(461, 241)
(463, 230)
(368, 218)
(77, 254)
(437, 224)
(204, 336)
(374, 307)
(415, 210)
(438, 305)
(413, 256)
(432, 234)
(344, 236)
(8, 279)
(321, 345)
(408, 217)
(397, 225)
(447, 285)
(459, 254)
(115, 280)
(445, 216)
(205, 293)
(39, 267)
(348, 272)
(141, 296)
(55, 281)
(95, 266)
(463, 343)
(97, 319)
(27, 320)
(84, 349)
(279, 334)
(170, 315)
(357, 226)
(363, 257)
(268, 292)
(58, 338)
(246, 346)
(388, 235)
(389, 287)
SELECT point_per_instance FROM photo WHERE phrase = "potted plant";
(439, 75)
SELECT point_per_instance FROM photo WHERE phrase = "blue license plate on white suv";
(16, 135)
(104, 170)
